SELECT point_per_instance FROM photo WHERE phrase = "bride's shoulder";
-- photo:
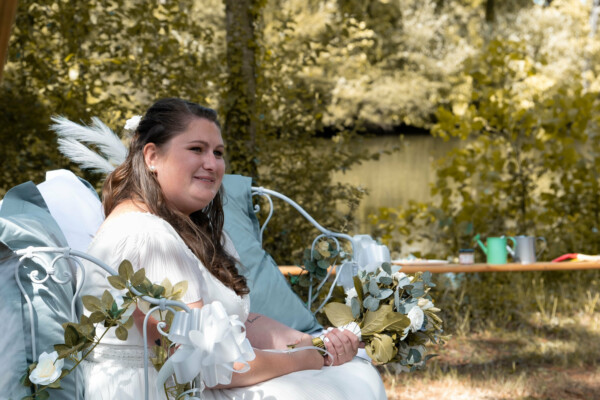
(130, 217)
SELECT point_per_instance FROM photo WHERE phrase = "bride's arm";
(266, 333)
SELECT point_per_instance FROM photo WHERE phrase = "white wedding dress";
(115, 369)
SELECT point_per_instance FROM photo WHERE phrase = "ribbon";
(210, 342)
(369, 254)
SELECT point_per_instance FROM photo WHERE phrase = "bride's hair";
(132, 180)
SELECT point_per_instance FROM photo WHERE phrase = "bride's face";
(190, 167)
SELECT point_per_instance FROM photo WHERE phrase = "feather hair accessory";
(74, 140)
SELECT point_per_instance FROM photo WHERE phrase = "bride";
(164, 213)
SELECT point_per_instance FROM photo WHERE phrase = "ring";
(341, 354)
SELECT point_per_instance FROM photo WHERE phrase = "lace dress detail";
(115, 369)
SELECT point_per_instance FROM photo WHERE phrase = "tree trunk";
(8, 9)
(240, 100)
(489, 11)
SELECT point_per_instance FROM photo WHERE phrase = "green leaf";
(117, 282)
(71, 336)
(97, 316)
(107, 300)
(139, 277)
(383, 319)
(126, 270)
(381, 349)
(55, 384)
(63, 350)
(338, 314)
(92, 303)
(121, 333)
(359, 288)
(25, 379)
(42, 395)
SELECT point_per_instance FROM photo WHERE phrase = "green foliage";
(526, 166)
(81, 338)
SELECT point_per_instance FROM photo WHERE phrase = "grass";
(548, 350)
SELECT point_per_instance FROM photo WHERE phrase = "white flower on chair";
(48, 369)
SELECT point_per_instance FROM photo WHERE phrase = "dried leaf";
(338, 314)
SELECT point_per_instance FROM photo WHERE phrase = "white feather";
(97, 134)
(83, 156)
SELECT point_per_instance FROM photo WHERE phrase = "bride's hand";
(342, 344)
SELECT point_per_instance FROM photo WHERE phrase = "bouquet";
(395, 313)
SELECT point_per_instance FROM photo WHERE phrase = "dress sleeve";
(164, 255)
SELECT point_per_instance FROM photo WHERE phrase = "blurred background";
(419, 122)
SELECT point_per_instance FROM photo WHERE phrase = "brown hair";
(132, 180)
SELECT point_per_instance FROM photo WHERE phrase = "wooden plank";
(8, 10)
(513, 267)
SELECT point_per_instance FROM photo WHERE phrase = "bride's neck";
(128, 206)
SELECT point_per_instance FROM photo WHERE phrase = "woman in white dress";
(164, 214)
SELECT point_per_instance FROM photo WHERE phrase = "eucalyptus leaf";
(384, 294)
(373, 288)
(71, 336)
(414, 356)
(387, 268)
(386, 280)
(371, 303)
(355, 306)
(323, 264)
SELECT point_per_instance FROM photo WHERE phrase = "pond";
(395, 179)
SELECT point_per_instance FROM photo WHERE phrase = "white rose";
(416, 317)
(350, 294)
(48, 369)
(425, 304)
(398, 276)
(133, 122)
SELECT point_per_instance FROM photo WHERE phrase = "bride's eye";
(219, 153)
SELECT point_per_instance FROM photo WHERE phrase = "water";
(396, 179)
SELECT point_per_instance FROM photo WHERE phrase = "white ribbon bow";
(369, 254)
(210, 342)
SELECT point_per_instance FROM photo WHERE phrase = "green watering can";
(497, 248)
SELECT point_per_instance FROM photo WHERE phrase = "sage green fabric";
(12, 348)
(270, 294)
(25, 221)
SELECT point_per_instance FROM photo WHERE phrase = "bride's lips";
(207, 179)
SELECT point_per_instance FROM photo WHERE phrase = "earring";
(152, 168)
